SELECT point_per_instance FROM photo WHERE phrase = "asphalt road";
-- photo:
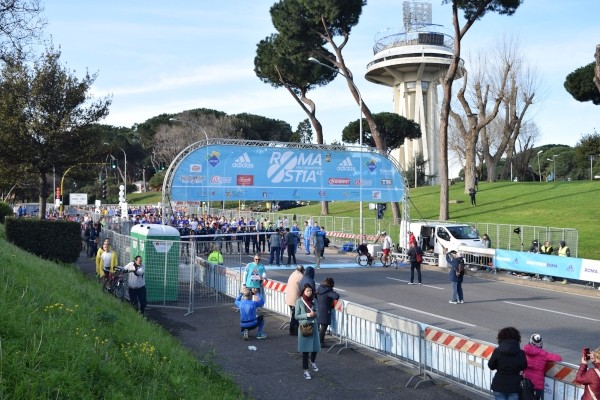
(566, 315)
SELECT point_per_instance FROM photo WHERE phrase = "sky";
(155, 57)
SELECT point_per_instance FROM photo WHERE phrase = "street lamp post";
(539, 168)
(183, 121)
(553, 166)
(360, 142)
(124, 176)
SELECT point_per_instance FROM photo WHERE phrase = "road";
(566, 315)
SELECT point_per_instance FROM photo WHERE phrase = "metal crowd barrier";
(431, 350)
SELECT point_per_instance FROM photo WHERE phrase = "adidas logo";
(346, 165)
(243, 161)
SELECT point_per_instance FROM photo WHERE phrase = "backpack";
(460, 269)
(419, 257)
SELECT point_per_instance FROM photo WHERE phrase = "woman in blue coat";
(306, 314)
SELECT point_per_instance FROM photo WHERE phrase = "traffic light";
(113, 164)
(104, 189)
(380, 209)
(163, 166)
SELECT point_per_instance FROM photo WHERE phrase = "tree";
(20, 24)
(597, 71)
(44, 115)
(473, 10)
(283, 62)
(310, 26)
(587, 153)
(580, 84)
(304, 133)
(393, 128)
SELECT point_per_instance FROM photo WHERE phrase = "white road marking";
(433, 315)
(402, 280)
(552, 311)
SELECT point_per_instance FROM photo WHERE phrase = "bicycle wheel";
(107, 285)
(382, 259)
(119, 290)
(362, 260)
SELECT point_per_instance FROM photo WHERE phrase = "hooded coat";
(309, 277)
(325, 297)
(508, 360)
(536, 364)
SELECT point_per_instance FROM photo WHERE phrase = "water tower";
(412, 63)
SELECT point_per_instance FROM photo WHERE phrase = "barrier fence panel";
(464, 361)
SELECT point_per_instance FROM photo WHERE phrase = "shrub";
(5, 211)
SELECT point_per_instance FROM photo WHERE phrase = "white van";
(437, 236)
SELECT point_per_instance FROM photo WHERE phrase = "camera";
(586, 353)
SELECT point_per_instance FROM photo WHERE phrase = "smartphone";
(586, 353)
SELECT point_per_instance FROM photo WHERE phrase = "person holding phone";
(589, 378)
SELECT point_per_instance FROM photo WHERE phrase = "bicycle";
(114, 282)
(393, 259)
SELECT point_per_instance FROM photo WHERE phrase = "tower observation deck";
(413, 62)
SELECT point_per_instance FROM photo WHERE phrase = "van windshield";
(463, 232)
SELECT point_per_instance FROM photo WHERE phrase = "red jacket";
(590, 379)
(536, 364)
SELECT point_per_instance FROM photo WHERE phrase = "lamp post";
(183, 121)
(539, 168)
(124, 176)
(360, 141)
(553, 167)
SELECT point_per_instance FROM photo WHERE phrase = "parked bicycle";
(114, 282)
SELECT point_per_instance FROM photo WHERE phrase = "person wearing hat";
(537, 358)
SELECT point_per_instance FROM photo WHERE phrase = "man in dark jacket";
(414, 255)
(456, 273)
(325, 298)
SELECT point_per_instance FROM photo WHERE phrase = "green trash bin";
(159, 247)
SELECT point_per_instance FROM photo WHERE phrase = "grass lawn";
(63, 338)
(556, 204)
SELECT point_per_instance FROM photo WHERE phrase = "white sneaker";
(462, 302)
(245, 334)
(452, 302)
(307, 375)
(314, 367)
(410, 283)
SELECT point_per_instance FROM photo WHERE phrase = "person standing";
(536, 363)
(106, 259)
(292, 242)
(309, 346)
(472, 193)
(275, 247)
(325, 298)
(319, 244)
(309, 277)
(292, 294)
(508, 360)
(415, 256)
(590, 378)
(254, 274)
(306, 235)
(137, 284)
(456, 274)
(563, 251)
(215, 257)
(387, 247)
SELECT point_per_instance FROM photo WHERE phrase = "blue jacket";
(248, 310)
(453, 263)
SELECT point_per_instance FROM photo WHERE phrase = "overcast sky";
(158, 57)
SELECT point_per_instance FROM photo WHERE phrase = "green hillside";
(557, 204)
